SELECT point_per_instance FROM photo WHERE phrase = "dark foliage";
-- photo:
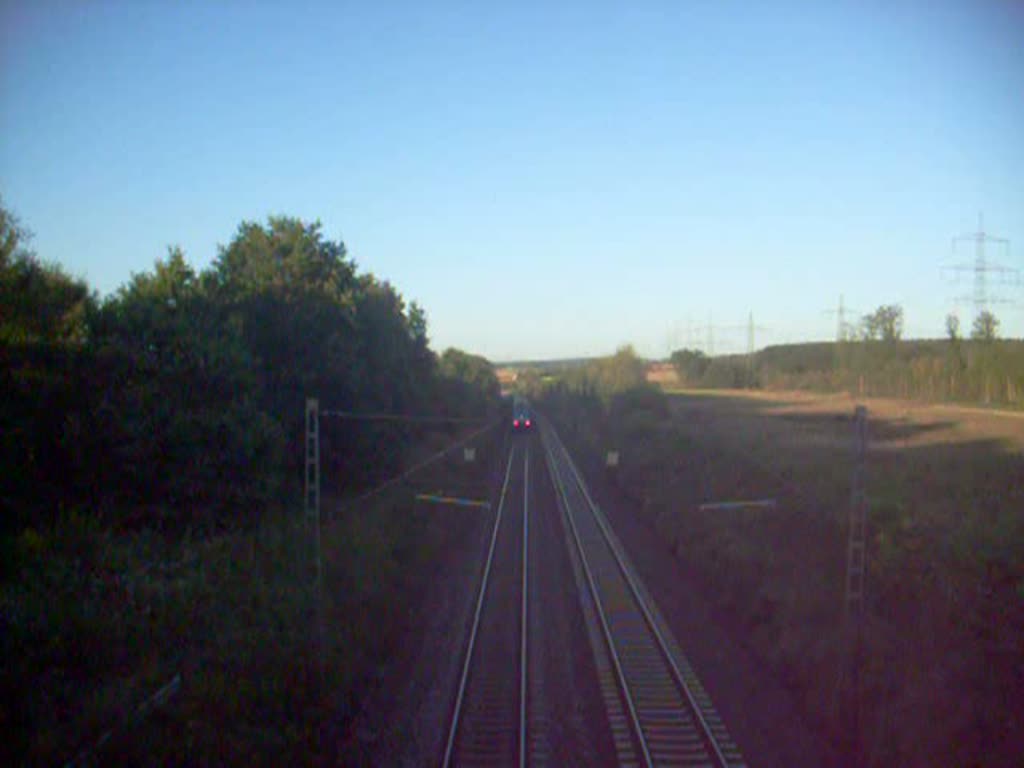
(177, 402)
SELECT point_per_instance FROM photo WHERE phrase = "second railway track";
(666, 717)
(489, 720)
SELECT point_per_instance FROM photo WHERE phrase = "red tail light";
(515, 423)
(527, 422)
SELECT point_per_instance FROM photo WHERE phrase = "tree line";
(873, 358)
(177, 401)
(590, 394)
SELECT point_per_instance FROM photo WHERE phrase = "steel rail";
(524, 614)
(598, 604)
(457, 712)
(645, 610)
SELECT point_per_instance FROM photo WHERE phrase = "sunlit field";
(945, 487)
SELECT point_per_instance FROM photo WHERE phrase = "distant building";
(662, 373)
(506, 379)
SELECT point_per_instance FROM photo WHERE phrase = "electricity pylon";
(844, 329)
(982, 268)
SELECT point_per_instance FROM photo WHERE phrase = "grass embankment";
(95, 621)
(944, 623)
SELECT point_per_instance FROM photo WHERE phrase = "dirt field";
(944, 626)
(923, 423)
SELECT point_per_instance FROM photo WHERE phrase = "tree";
(470, 380)
(952, 327)
(622, 371)
(424, 361)
(12, 237)
(39, 302)
(690, 364)
(180, 396)
(417, 320)
(885, 323)
(177, 391)
(529, 382)
(986, 327)
(387, 348)
(292, 294)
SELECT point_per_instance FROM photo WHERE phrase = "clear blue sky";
(546, 182)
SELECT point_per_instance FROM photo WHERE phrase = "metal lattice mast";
(312, 510)
(981, 268)
(751, 346)
(844, 331)
(749, 327)
(980, 292)
(312, 503)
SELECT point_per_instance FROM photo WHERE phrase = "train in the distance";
(523, 419)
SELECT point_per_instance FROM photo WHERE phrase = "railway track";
(489, 721)
(657, 711)
(661, 714)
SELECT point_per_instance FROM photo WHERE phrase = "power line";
(750, 327)
(416, 468)
(370, 416)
